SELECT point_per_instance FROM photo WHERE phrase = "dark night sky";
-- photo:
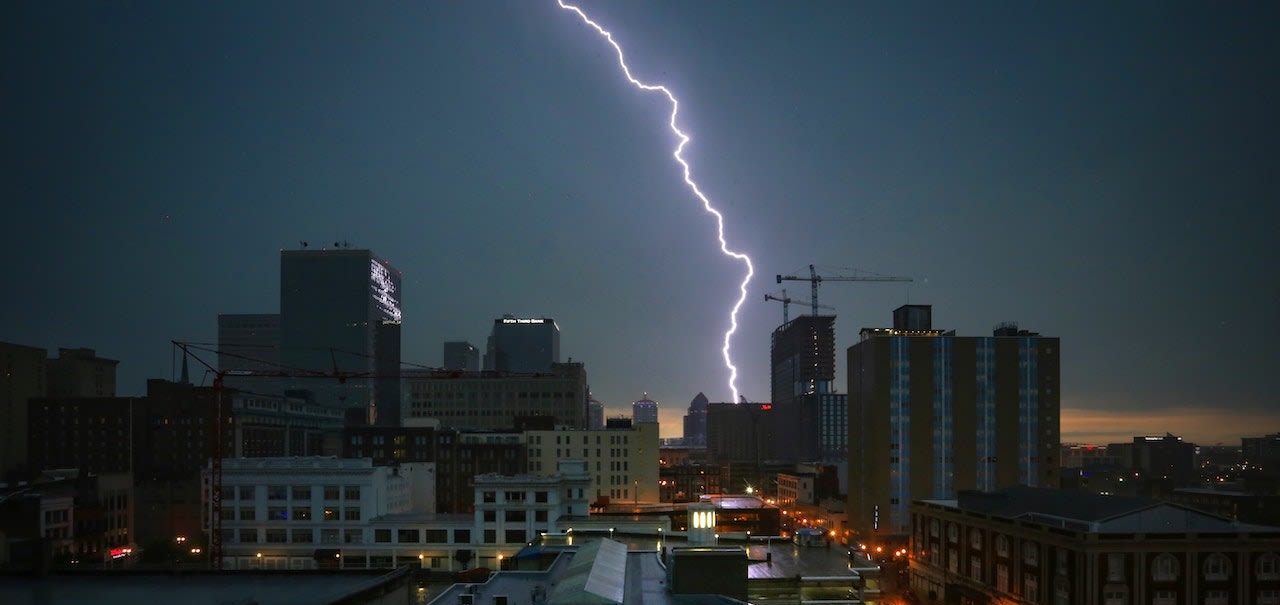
(1103, 173)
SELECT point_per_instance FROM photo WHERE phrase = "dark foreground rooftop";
(229, 588)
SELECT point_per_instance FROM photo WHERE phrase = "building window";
(248, 513)
(407, 536)
(1002, 546)
(303, 536)
(540, 497)
(351, 513)
(1215, 597)
(1115, 567)
(331, 492)
(461, 536)
(1269, 567)
(277, 536)
(1002, 577)
(490, 497)
(514, 516)
(382, 536)
(540, 516)
(248, 536)
(435, 536)
(514, 536)
(490, 536)
(329, 536)
(490, 516)
(1269, 597)
(515, 496)
(1164, 568)
(1030, 554)
(975, 568)
(1217, 567)
(301, 492)
(1165, 597)
(277, 513)
(1030, 588)
(301, 513)
(975, 539)
(953, 533)
(351, 492)
(330, 513)
(352, 536)
(933, 528)
(277, 492)
(247, 492)
(1115, 596)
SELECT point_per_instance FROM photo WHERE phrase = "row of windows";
(491, 497)
(297, 513)
(296, 492)
(356, 536)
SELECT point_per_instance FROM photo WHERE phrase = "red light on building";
(765, 407)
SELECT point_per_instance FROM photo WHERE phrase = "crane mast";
(814, 279)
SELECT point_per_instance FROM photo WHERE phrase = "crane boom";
(814, 279)
(786, 302)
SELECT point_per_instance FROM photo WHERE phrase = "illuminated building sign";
(508, 320)
(384, 290)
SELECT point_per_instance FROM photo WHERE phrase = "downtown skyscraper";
(932, 413)
(340, 312)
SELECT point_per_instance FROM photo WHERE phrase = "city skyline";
(1096, 173)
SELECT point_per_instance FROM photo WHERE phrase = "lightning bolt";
(688, 180)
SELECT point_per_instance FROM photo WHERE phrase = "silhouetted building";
(695, 422)
(1166, 459)
(249, 341)
(1262, 454)
(24, 378)
(595, 414)
(461, 355)
(523, 344)
(740, 432)
(340, 311)
(644, 410)
(493, 400)
(931, 414)
(81, 373)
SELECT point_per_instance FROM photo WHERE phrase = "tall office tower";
(22, 378)
(595, 414)
(644, 410)
(803, 364)
(249, 341)
(81, 373)
(1166, 459)
(461, 355)
(741, 432)
(523, 344)
(931, 413)
(340, 309)
(695, 422)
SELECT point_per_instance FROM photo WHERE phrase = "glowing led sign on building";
(384, 289)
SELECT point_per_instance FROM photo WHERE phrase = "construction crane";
(814, 279)
(787, 300)
(217, 429)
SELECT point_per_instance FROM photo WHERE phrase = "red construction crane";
(814, 279)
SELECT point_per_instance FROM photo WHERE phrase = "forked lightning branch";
(688, 179)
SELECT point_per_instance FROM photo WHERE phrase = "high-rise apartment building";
(22, 377)
(461, 355)
(523, 344)
(341, 309)
(695, 422)
(644, 410)
(931, 413)
(803, 363)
